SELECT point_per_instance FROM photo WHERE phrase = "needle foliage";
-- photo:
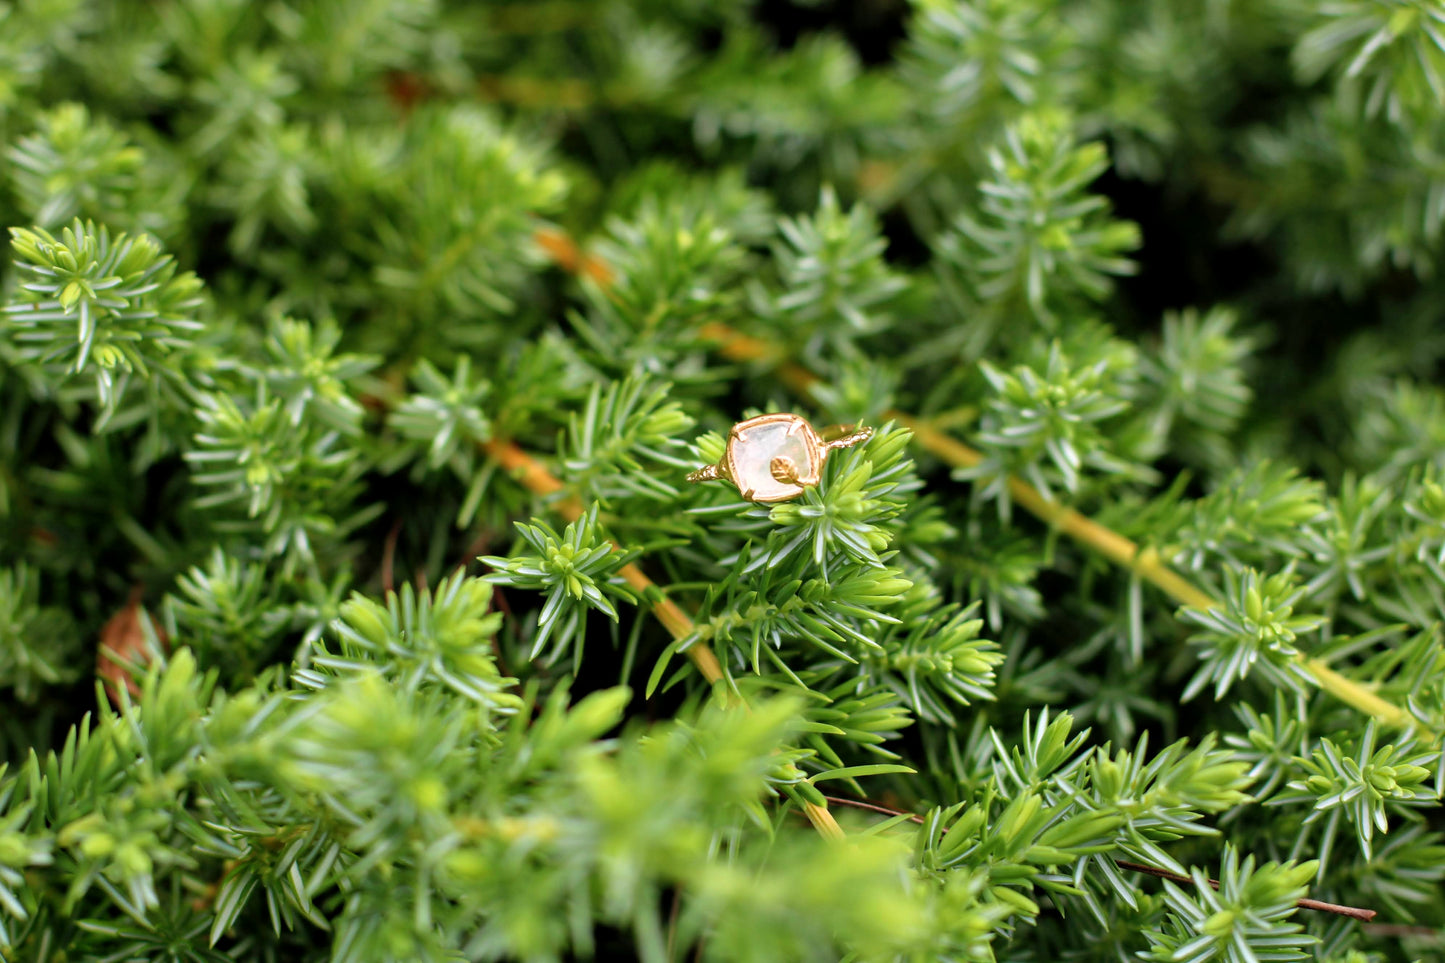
(354, 606)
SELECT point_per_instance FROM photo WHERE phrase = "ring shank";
(708, 473)
(844, 436)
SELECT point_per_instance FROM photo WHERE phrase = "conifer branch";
(535, 476)
(1122, 551)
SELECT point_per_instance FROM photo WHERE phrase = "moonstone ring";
(772, 458)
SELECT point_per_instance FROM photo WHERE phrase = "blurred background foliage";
(290, 280)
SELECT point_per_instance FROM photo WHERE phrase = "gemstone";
(764, 448)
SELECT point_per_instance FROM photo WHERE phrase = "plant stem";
(1145, 563)
(914, 818)
(1354, 912)
(1354, 694)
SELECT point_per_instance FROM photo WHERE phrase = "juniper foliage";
(353, 606)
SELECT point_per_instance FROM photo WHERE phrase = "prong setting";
(776, 457)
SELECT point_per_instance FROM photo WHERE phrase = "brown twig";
(1354, 912)
(569, 257)
(873, 808)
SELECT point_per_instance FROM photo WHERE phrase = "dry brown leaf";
(123, 639)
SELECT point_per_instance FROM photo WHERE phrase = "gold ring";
(772, 458)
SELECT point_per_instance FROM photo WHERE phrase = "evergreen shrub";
(354, 606)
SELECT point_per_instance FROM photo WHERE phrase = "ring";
(772, 458)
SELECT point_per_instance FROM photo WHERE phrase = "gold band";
(709, 473)
(845, 436)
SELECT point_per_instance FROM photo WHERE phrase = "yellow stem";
(1108, 543)
(1146, 563)
(1356, 695)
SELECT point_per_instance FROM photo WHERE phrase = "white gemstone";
(751, 457)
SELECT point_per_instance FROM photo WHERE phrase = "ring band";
(772, 458)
